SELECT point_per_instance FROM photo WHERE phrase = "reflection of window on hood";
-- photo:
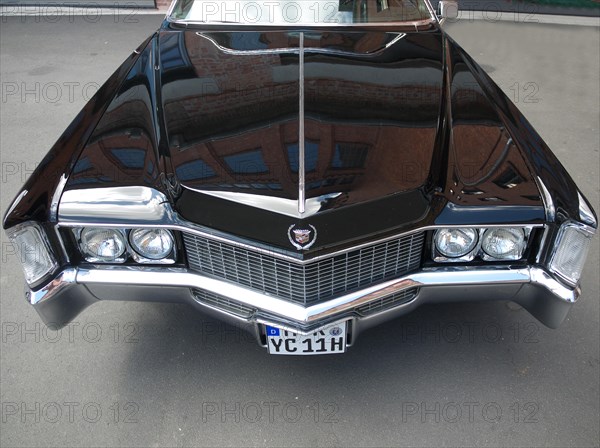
(249, 162)
(247, 41)
(311, 155)
(194, 170)
(349, 156)
(82, 165)
(173, 54)
(509, 178)
(130, 157)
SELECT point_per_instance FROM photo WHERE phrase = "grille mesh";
(309, 283)
(387, 302)
(223, 303)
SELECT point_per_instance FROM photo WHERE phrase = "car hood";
(396, 133)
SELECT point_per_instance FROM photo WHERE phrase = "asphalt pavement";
(142, 374)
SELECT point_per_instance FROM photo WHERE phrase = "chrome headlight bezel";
(517, 255)
(91, 258)
(130, 253)
(477, 251)
(137, 252)
(469, 252)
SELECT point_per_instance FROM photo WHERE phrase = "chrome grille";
(387, 302)
(309, 283)
(239, 309)
(223, 303)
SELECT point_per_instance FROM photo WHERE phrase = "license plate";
(327, 340)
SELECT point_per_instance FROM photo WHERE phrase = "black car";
(304, 170)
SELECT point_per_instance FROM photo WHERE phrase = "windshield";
(300, 12)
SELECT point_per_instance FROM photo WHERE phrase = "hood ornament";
(302, 238)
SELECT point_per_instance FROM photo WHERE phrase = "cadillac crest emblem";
(302, 237)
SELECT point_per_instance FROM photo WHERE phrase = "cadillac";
(305, 170)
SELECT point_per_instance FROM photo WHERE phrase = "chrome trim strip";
(543, 241)
(146, 207)
(454, 276)
(171, 8)
(292, 50)
(288, 207)
(62, 244)
(301, 167)
(432, 12)
(247, 52)
(586, 215)
(390, 43)
(546, 199)
(56, 198)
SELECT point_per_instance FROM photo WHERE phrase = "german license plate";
(327, 340)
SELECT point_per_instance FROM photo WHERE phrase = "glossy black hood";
(371, 104)
(371, 107)
(396, 128)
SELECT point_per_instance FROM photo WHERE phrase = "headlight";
(455, 243)
(153, 244)
(504, 243)
(102, 245)
(573, 243)
(36, 258)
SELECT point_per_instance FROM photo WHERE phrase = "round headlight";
(455, 243)
(151, 243)
(105, 245)
(504, 243)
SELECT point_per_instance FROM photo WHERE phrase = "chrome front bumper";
(74, 289)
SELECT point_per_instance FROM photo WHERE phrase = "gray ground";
(525, 7)
(128, 374)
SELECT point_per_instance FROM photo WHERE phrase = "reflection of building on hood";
(232, 121)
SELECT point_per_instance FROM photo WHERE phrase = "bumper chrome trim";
(54, 288)
(292, 311)
(176, 284)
